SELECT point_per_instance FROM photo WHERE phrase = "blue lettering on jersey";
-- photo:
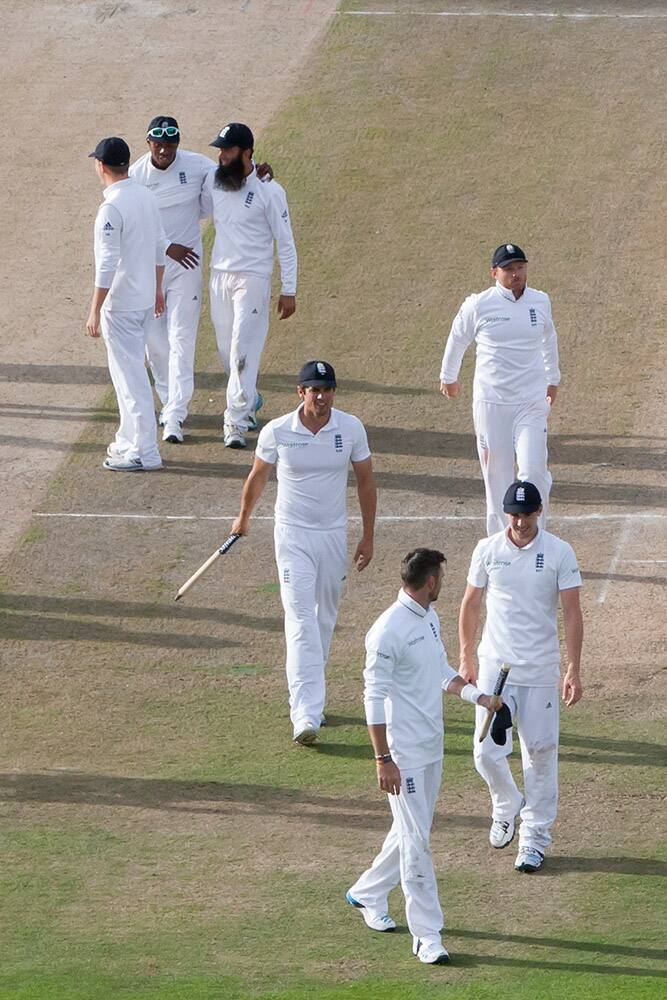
(248, 198)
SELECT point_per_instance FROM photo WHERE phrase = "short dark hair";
(419, 564)
(117, 171)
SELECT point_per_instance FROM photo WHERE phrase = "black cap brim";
(516, 508)
(319, 384)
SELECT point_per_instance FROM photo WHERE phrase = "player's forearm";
(573, 624)
(378, 735)
(367, 493)
(159, 275)
(252, 491)
(99, 296)
(468, 624)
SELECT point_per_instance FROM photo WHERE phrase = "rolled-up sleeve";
(550, 348)
(108, 230)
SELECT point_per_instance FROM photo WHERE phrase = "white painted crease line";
(545, 15)
(645, 562)
(615, 559)
(563, 518)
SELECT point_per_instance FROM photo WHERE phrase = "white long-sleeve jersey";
(129, 244)
(246, 224)
(406, 671)
(178, 191)
(517, 348)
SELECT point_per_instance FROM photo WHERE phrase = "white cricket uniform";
(247, 222)
(172, 337)
(311, 542)
(521, 628)
(516, 359)
(129, 244)
(406, 671)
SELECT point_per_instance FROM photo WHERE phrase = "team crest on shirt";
(182, 178)
(434, 630)
(249, 199)
(539, 562)
(410, 786)
(338, 442)
(533, 316)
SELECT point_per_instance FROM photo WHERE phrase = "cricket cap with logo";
(506, 254)
(317, 373)
(234, 134)
(113, 152)
(522, 498)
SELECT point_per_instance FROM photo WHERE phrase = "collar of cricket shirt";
(116, 184)
(300, 428)
(507, 293)
(522, 548)
(410, 603)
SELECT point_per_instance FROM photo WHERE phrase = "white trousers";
(172, 338)
(124, 334)
(312, 567)
(504, 432)
(406, 856)
(535, 713)
(240, 315)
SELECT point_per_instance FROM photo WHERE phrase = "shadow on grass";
(197, 797)
(520, 964)
(105, 608)
(617, 751)
(569, 944)
(659, 581)
(38, 628)
(607, 866)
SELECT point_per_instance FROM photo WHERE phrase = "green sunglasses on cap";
(170, 132)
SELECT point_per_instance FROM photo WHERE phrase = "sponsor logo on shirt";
(497, 563)
(413, 642)
(533, 316)
(294, 444)
(410, 786)
(338, 442)
(493, 319)
(539, 562)
(384, 656)
(285, 216)
(249, 199)
(107, 228)
(182, 178)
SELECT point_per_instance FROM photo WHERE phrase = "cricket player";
(516, 377)
(176, 178)
(312, 448)
(248, 217)
(406, 672)
(524, 570)
(129, 264)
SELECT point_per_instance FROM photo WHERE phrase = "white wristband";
(471, 693)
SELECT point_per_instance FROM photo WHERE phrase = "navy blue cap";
(113, 152)
(506, 253)
(234, 134)
(317, 373)
(522, 498)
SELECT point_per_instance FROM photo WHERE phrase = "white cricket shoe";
(173, 432)
(305, 735)
(123, 464)
(502, 832)
(113, 451)
(528, 860)
(233, 436)
(430, 952)
(375, 920)
(252, 416)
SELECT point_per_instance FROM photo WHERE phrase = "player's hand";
(264, 171)
(363, 554)
(467, 671)
(241, 526)
(159, 303)
(286, 306)
(572, 689)
(389, 778)
(450, 389)
(185, 256)
(93, 324)
(491, 702)
(552, 392)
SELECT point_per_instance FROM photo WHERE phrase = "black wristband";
(384, 758)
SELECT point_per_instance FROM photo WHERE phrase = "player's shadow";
(658, 581)
(203, 798)
(560, 864)
(568, 944)
(39, 604)
(598, 750)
